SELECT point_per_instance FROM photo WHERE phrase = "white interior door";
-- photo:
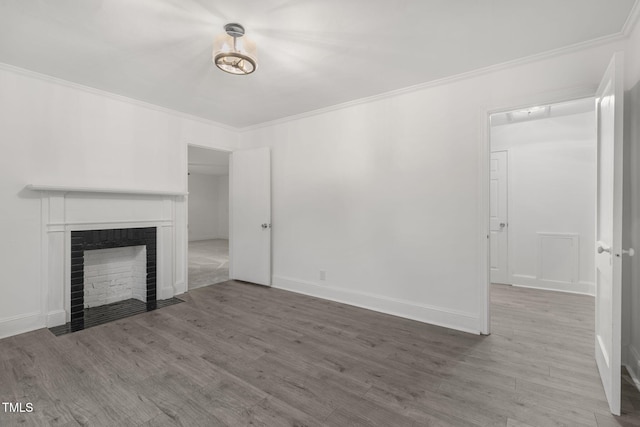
(250, 216)
(498, 226)
(609, 102)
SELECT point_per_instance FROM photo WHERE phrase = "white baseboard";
(633, 364)
(208, 237)
(56, 318)
(19, 324)
(526, 281)
(410, 310)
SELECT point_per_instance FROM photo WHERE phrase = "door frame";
(484, 172)
(186, 208)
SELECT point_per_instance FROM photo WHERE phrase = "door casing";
(484, 268)
(186, 210)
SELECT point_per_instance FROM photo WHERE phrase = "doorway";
(608, 233)
(208, 216)
(542, 197)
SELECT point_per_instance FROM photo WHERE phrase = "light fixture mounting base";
(234, 30)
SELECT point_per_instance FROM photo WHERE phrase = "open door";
(609, 103)
(250, 216)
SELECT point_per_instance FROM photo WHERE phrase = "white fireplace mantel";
(75, 189)
(68, 208)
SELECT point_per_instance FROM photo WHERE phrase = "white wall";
(385, 196)
(59, 134)
(208, 206)
(551, 186)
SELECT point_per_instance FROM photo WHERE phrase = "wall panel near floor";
(551, 204)
(55, 133)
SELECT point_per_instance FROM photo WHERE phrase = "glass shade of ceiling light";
(234, 53)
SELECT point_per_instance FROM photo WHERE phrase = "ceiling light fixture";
(234, 53)
(531, 113)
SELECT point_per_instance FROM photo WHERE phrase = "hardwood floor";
(240, 354)
(208, 262)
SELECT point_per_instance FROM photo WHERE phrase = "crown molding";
(632, 19)
(577, 47)
(629, 25)
(100, 92)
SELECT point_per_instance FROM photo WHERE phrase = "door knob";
(503, 225)
(630, 252)
(602, 247)
(264, 225)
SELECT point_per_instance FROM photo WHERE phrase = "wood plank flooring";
(238, 354)
(208, 262)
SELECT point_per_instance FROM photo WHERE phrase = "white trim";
(231, 238)
(445, 80)
(484, 227)
(20, 324)
(602, 353)
(75, 189)
(511, 225)
(632, 19)
(452, 319)
(208, 147)
(56, 317)
(174, 249)
(166, 292)
(179, 287)
(44, 256)
(94, 91)
(208, 237)
(186, 212)
(580, 288)
(516, 276)
(185, 259)
(91, 225)
(553, 97)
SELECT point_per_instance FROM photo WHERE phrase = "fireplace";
(87, 240)
(78, 222)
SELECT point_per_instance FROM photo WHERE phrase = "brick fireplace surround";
(103, 239)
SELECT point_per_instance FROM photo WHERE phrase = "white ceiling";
(209, 162)
(312, 53)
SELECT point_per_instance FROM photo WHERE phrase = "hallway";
(208, 262)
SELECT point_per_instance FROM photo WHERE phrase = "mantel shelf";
(71, 189)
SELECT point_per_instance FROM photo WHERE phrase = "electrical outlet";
(323, 275)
